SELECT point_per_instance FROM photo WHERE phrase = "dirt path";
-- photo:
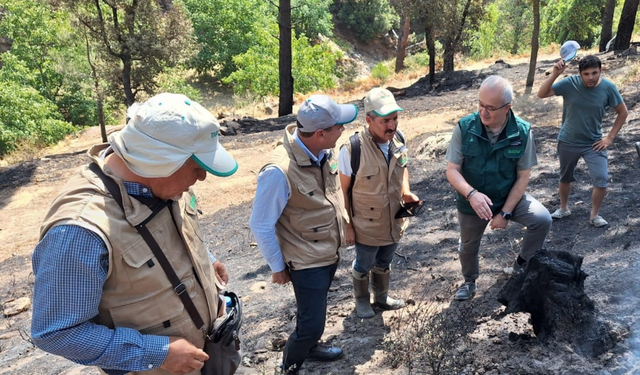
(426, 268)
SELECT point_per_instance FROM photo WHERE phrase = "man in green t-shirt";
(586, 97)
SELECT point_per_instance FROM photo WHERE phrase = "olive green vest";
(377, 192)
(491, 169)
(310, 230)
(137, 293)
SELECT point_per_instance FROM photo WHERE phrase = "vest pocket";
(153, 310)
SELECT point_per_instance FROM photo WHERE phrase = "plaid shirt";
(70, 265)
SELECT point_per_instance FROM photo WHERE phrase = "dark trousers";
(310, 287)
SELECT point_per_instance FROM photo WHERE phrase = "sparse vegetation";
(429, 334)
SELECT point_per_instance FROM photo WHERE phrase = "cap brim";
(219, 163)
(348, 113)
(571, 56)
(386, 110)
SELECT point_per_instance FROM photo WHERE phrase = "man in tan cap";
(101, 295)
(298, 221)
(373, 196)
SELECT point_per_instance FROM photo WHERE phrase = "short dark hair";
(309, 134)
(589, 61)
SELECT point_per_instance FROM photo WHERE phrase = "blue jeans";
(369, 256)
(310, 286)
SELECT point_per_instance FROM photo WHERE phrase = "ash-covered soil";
(473, 337)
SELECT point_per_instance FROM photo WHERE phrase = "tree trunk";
(607, 24)
(401, 49)
(285, 60)
(448, 57)
(129, 97)
(452, 44)
(534, 43)
(431, 48)
(625, 27)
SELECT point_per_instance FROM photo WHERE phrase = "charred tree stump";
(551, 289)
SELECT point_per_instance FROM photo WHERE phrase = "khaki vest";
(377, 192)
(137, 293)
(310, 230)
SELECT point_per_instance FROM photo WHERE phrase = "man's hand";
(481, 205)
(281, 277)
(350, 236)
(499, 222)
(183, 357)
(410, 197)
(559, 67)
(221, 272)
(602, 144)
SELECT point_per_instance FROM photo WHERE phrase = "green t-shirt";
(583, 109)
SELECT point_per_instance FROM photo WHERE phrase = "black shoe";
(324, 353)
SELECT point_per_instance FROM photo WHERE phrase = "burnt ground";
(473, 337)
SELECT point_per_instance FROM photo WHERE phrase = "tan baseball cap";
(164, 132)
(381, 102)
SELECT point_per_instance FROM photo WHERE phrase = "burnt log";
(551, 289)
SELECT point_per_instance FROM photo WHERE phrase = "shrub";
(28, 117)
(380, 72)
(313, 66)
(176, 80)
(367, 19)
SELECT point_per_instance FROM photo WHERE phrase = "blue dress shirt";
(70, 265)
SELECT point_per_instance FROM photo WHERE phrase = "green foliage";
(224, 29)
(313, 66)
(482, 41)
(577, 20)
(38, 35)
(367, 19)
(176, 80)
(27, 116)
(516, 25)
(417, 60)
(312, 18)
(380, 72)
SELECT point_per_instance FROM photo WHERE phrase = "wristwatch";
(506, 215)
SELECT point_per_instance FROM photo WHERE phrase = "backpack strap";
(354, 140)
(400, 137)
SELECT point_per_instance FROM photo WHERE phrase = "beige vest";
(310, 230)
(137, 293)
(377, 192)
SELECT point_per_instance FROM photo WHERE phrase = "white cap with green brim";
(167, 130)
(569, 50)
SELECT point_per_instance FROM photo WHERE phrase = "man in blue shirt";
(299, 220)
(586, 98)
(101, 297)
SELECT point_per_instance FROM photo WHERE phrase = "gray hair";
(497, 82)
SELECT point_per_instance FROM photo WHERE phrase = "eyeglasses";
(491, 108)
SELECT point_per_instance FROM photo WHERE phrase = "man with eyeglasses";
(585, 99)
(489, 162)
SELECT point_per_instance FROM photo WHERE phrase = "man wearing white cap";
(586, 97)
(373, 195)
(298, 220)
(101, 295)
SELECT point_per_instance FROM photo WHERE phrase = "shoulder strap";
(354, 140)
(178, 287)
(400, 137)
